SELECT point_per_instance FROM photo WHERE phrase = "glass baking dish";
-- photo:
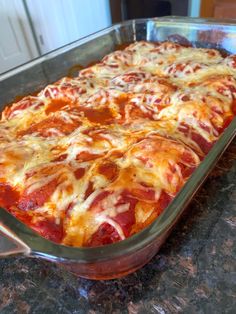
(119, 259)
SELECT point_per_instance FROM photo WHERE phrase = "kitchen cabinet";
(58, 22)
(225, 9)
(29, 28)
(17, 44)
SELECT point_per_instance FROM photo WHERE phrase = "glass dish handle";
(10, 244)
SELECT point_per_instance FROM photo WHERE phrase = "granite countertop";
(194, 272)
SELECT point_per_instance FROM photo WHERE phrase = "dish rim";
(44, 248)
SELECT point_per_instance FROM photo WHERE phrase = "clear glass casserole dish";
(119, 259)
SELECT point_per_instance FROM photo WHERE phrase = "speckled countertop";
(194, 272)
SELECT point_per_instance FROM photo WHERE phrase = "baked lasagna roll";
(94, 159)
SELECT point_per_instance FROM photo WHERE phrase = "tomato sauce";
(233, 106)
(61, 157)
(204, 145)
(56, 104)
(49, 230)
(164, 201)
(101, 116)
(43, 127)
(89, 191)
(126, 219)
(94, 206)
(79, 173)
(143, 193)
(202, 142)
(25, 103)
(109, 170)
(46, 227)
(38, 197)
(106, 234)
(87, 156)
(8, 195)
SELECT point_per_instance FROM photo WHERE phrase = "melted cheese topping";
(92, 159)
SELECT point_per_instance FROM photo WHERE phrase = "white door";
(17, 45)
(59, 22)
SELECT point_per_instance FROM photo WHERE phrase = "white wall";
(58, 22)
